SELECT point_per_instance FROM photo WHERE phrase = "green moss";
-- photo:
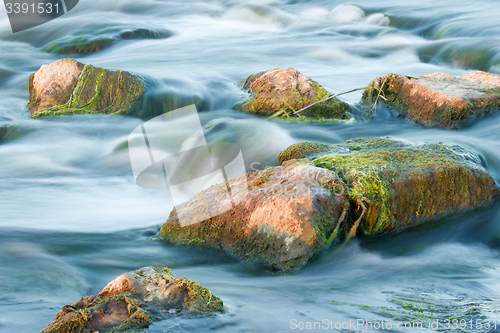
(99, 90)
(491, 91)
(78, 322)
(138, 316)
(200, 299)
(80, 45)
(302, 150)
(409, 306)
(406, 185)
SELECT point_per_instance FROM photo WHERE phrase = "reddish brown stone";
(481, 76)
(438, 100)
(288, 215)
(53, 83)
(132, 301)
(70, 87)
(288, 90)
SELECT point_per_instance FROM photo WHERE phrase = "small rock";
(86, 44)
(289, 214)
(70, 87)
(287, 90)
(133, 300)
(437, 100)
(403, 184)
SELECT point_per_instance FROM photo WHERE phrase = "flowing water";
(72, 218)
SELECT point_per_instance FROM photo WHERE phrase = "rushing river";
(72, 218)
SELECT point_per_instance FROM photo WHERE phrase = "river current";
(72, 218)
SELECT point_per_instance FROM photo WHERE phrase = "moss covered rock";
(403, 184)
(133, 300)
(287, 90)
(438, 100)
(70, 87)
(85, 43)
(290, 213)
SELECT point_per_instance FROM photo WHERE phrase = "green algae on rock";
(70, 87)
(428, 307)
(287, 90)
(303, 150)
(289, 213)
(133, 300)
(438, 99)
(85, 43)
(404, 184)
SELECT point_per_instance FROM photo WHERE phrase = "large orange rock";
(438, 100)
(132, 301)
(289, 213)
(67, 86)
(288, 90)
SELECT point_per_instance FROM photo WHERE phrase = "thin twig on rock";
(326, 99)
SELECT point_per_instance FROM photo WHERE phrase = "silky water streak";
(171, 152)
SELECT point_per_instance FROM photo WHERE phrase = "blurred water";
(72, 218)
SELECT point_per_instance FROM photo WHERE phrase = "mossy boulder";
(282, 91)
(85, 43)
(133, 300)
(289, 213)
(402, 184)
(437, 100)
(70, 87)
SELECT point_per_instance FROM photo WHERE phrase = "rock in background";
(287, 90)
(85, 42)
(70, 87)
(437, 100)
(133, 300)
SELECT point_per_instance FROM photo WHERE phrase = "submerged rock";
(281, 91)
(11, 132)
(3, 131)
(133, 300)
(438, 100)
(70, 87)
(395, 185)
(89, 44)
(289, 213)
